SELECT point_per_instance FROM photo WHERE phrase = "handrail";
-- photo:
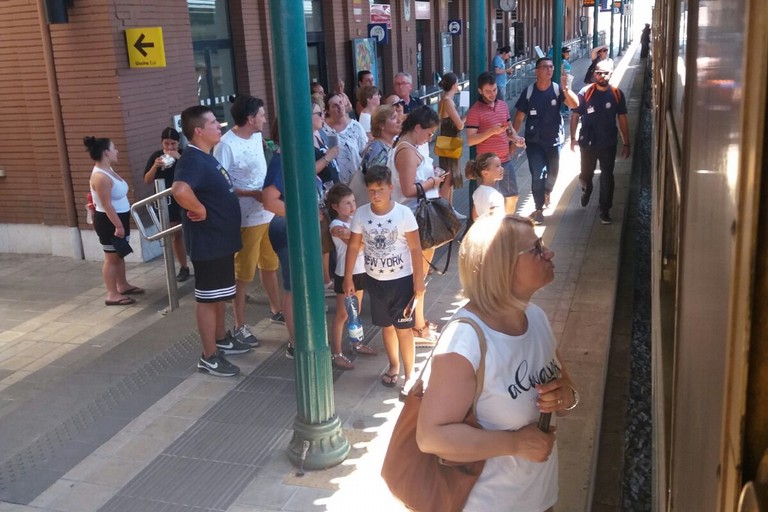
(149, 203)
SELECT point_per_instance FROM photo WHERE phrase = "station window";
(214, 57)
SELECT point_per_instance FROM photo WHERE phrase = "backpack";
(529, 91)
(591, 90)
(532, 124)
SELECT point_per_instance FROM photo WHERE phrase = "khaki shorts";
(256, 253)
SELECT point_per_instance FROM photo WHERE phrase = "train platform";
(102, 408)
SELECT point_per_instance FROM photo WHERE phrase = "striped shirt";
(482, 117)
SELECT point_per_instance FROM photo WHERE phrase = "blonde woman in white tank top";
(110, 195)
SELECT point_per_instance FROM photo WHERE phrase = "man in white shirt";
(241, 153)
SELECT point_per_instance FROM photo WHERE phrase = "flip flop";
(389, 380)
(364, 350)
(133, 291)
(125, 301)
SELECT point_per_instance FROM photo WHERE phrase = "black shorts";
(388, 299)
(357, 279)
(106, 230)
(215, 279)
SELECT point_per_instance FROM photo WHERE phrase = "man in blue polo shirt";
(403, 88)
(211, 222)
(600, 107)
(539, 105)
(501, 71)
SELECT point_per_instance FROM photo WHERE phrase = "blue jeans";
(544, 164)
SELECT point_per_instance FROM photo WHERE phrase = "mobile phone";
(411, 307)
(544, 419)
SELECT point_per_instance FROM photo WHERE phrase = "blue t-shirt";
(598, 117)
(275, 177)
(219, 234)
(501, 79)
(543, 122)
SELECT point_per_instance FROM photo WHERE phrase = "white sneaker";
(458, 215)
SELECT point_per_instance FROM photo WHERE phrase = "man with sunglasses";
(539, 105)
(601, 107)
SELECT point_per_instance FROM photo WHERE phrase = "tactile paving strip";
(43, 461)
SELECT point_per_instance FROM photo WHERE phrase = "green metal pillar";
(317, 436)
(478, 62)
(610, 45)
(595, 15)
(557, 38)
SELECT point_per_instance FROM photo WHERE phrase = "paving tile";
(113, 472)
(72, 496)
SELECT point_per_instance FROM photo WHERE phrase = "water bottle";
(355, 326)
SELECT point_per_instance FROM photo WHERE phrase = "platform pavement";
(53, 324)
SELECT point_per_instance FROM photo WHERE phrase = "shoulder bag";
(422, 481)
(438, 224)
(448, 147)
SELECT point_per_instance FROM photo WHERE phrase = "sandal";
(341, 362)
(389, 380)
(424, 337)
(364, 350)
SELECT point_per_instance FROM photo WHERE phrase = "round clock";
(508, 5)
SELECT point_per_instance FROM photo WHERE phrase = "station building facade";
(67, 74)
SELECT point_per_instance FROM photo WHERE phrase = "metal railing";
(154, 204)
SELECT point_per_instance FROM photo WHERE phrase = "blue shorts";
(508, 184)
(388, 300)
(278, 237)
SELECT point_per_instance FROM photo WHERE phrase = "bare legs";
(397, 343)
(210, 325)
(510, 204)
(419, 320)
(337, 331)
(271, 286)
(178, 248)
(113, 273)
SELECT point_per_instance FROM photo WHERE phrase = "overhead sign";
(380, 13)
(454, 26)
(145, 47)
(378, 31)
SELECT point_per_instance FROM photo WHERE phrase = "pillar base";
(327, 444)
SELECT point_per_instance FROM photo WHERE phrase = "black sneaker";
(584, 198)
(605, 217)
(217, 365)
(244, 335)
(289, 351)
(183, 274)
(277, 318)
(231, 346)
(537, 217)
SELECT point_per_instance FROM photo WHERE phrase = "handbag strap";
(447, 261)
(480, 374)
(420, 194)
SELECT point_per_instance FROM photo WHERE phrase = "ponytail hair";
(96, 147)
(474, 168)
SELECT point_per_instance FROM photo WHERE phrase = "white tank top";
(424, 171)
(118, 196)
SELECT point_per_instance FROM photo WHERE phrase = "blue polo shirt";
(598, 117)
(219, 234)
(543, 122)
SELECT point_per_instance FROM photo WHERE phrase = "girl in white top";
(110, 196)
(487, 170)
(410, 166)
(502, 263)
(341, 206)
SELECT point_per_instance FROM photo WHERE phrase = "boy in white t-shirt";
(487, 170)
(394, 274)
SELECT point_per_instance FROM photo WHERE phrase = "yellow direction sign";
(145, 47)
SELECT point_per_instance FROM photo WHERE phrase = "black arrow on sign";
(140, 45)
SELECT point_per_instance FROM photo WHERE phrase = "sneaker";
(183, 274)
(217, 365)
(459, 215)
(244, 335)
(585, 198)
(328, 289)
(289, 351)
(537, 217)
(546, 200)
(231, 346)
(277, 318)
(605, 217)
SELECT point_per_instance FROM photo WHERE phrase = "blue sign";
(378, 31)
(454, 27)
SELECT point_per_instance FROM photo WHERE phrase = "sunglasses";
(602, 73)
(537, 249)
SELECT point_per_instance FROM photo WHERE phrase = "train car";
(710, 241)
